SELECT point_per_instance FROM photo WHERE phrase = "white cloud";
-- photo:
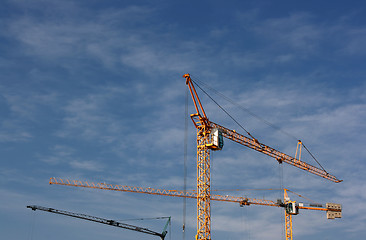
(86, 165)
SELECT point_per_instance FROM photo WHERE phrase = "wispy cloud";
(20, 109)
(94, 91)
(112, 37)
(297, 31)
(86, 165)
(14, 134)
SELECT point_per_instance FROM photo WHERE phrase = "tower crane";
(210, 137)
(333, 210)
(291, 207)
(104, 221)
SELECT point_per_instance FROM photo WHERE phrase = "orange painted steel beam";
(161, 192)
(279, 156)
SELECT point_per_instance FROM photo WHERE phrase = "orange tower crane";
(291, 207)
(210, 137)
(333, 210)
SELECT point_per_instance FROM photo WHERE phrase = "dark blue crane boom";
(104, 221)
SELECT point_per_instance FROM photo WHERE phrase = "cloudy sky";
(93, 90)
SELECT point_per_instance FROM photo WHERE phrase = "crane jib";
(279, 156)
(101, 220)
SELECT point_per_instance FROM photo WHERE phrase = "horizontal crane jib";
(279, 156)
(162, 192)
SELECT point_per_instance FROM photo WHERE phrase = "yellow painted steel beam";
(279, 156)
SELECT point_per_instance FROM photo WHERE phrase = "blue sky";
(93, 90)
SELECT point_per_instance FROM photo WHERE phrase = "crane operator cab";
(216, 139)
(291, 208)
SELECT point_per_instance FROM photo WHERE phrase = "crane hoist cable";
(185, 164)
(223, 109)
(141, 219)
(314, 157)
(312, 201)
(32, 227)
(244, 108)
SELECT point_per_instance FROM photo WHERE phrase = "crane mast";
(103, 221)
(204, 144)
(288, 217)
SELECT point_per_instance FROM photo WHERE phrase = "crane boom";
(279, 156)
(102, 220)
(161, 192)
(185, 194)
